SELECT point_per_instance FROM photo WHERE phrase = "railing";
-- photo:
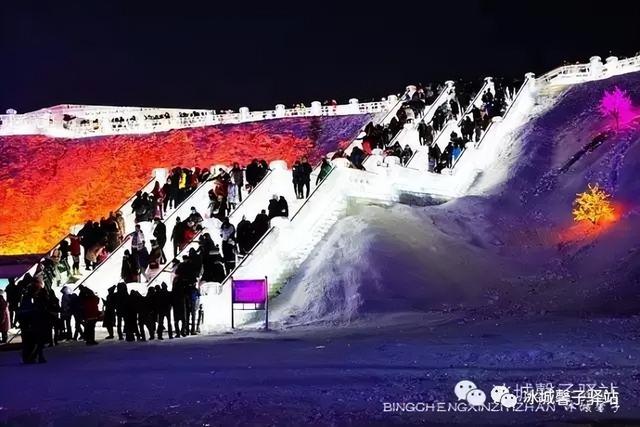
(594, 70)
(495, 122)
(99, 120)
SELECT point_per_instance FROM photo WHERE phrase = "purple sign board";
(249, 291)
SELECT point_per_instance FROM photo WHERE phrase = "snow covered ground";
(323, 376)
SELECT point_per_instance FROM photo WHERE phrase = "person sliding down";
(283, 207)
(195, 216)
(273, 207)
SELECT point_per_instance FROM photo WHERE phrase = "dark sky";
(206, 55)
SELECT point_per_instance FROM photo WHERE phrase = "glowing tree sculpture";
(592, 205)
(616, 104)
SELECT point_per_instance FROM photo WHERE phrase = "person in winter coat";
(64, 256)
(34, 324)
(148, 314)
(244, 236)
(155, 257)
(137, 239)
(168, 195)
(306, 177)
(189, 234)
(357, 157)
(407, 152)
(131, 330)
(142, 257)
(13, 294)
(177, 234)
(237, 177)
(109, 304)
(66, 311)
(325, 168)
(193, 304)
(253, 174)
(298, 179)
(160, 234)
(195, 216)
(179, 308)
(283, 207)
(213, 266)
(120, 299)
(273, 207)
(163, 309)
(130, 269)
(121, 225)
(77, 312)
(228, 235)
(5, 318)
(92, 314)
(232, 195)
(260, 225)
(75, 250)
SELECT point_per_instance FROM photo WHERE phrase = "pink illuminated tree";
(616, 104)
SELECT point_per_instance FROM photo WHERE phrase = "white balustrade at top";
(594, 70)
(77, 121)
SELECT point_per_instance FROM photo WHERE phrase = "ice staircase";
(278, 182)
(287, 245)
(420, 159)
(129, 220)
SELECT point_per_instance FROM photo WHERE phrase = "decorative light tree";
(592, 205)
(617, 104)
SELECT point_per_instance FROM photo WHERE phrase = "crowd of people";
(209, 262)
(43, 318)
(475, 119)
(46, 320)
(471, 128)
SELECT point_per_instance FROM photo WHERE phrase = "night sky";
(206, 55)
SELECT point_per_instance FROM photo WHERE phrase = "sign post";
(251, 291)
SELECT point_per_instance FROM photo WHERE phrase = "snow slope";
(509, 249)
